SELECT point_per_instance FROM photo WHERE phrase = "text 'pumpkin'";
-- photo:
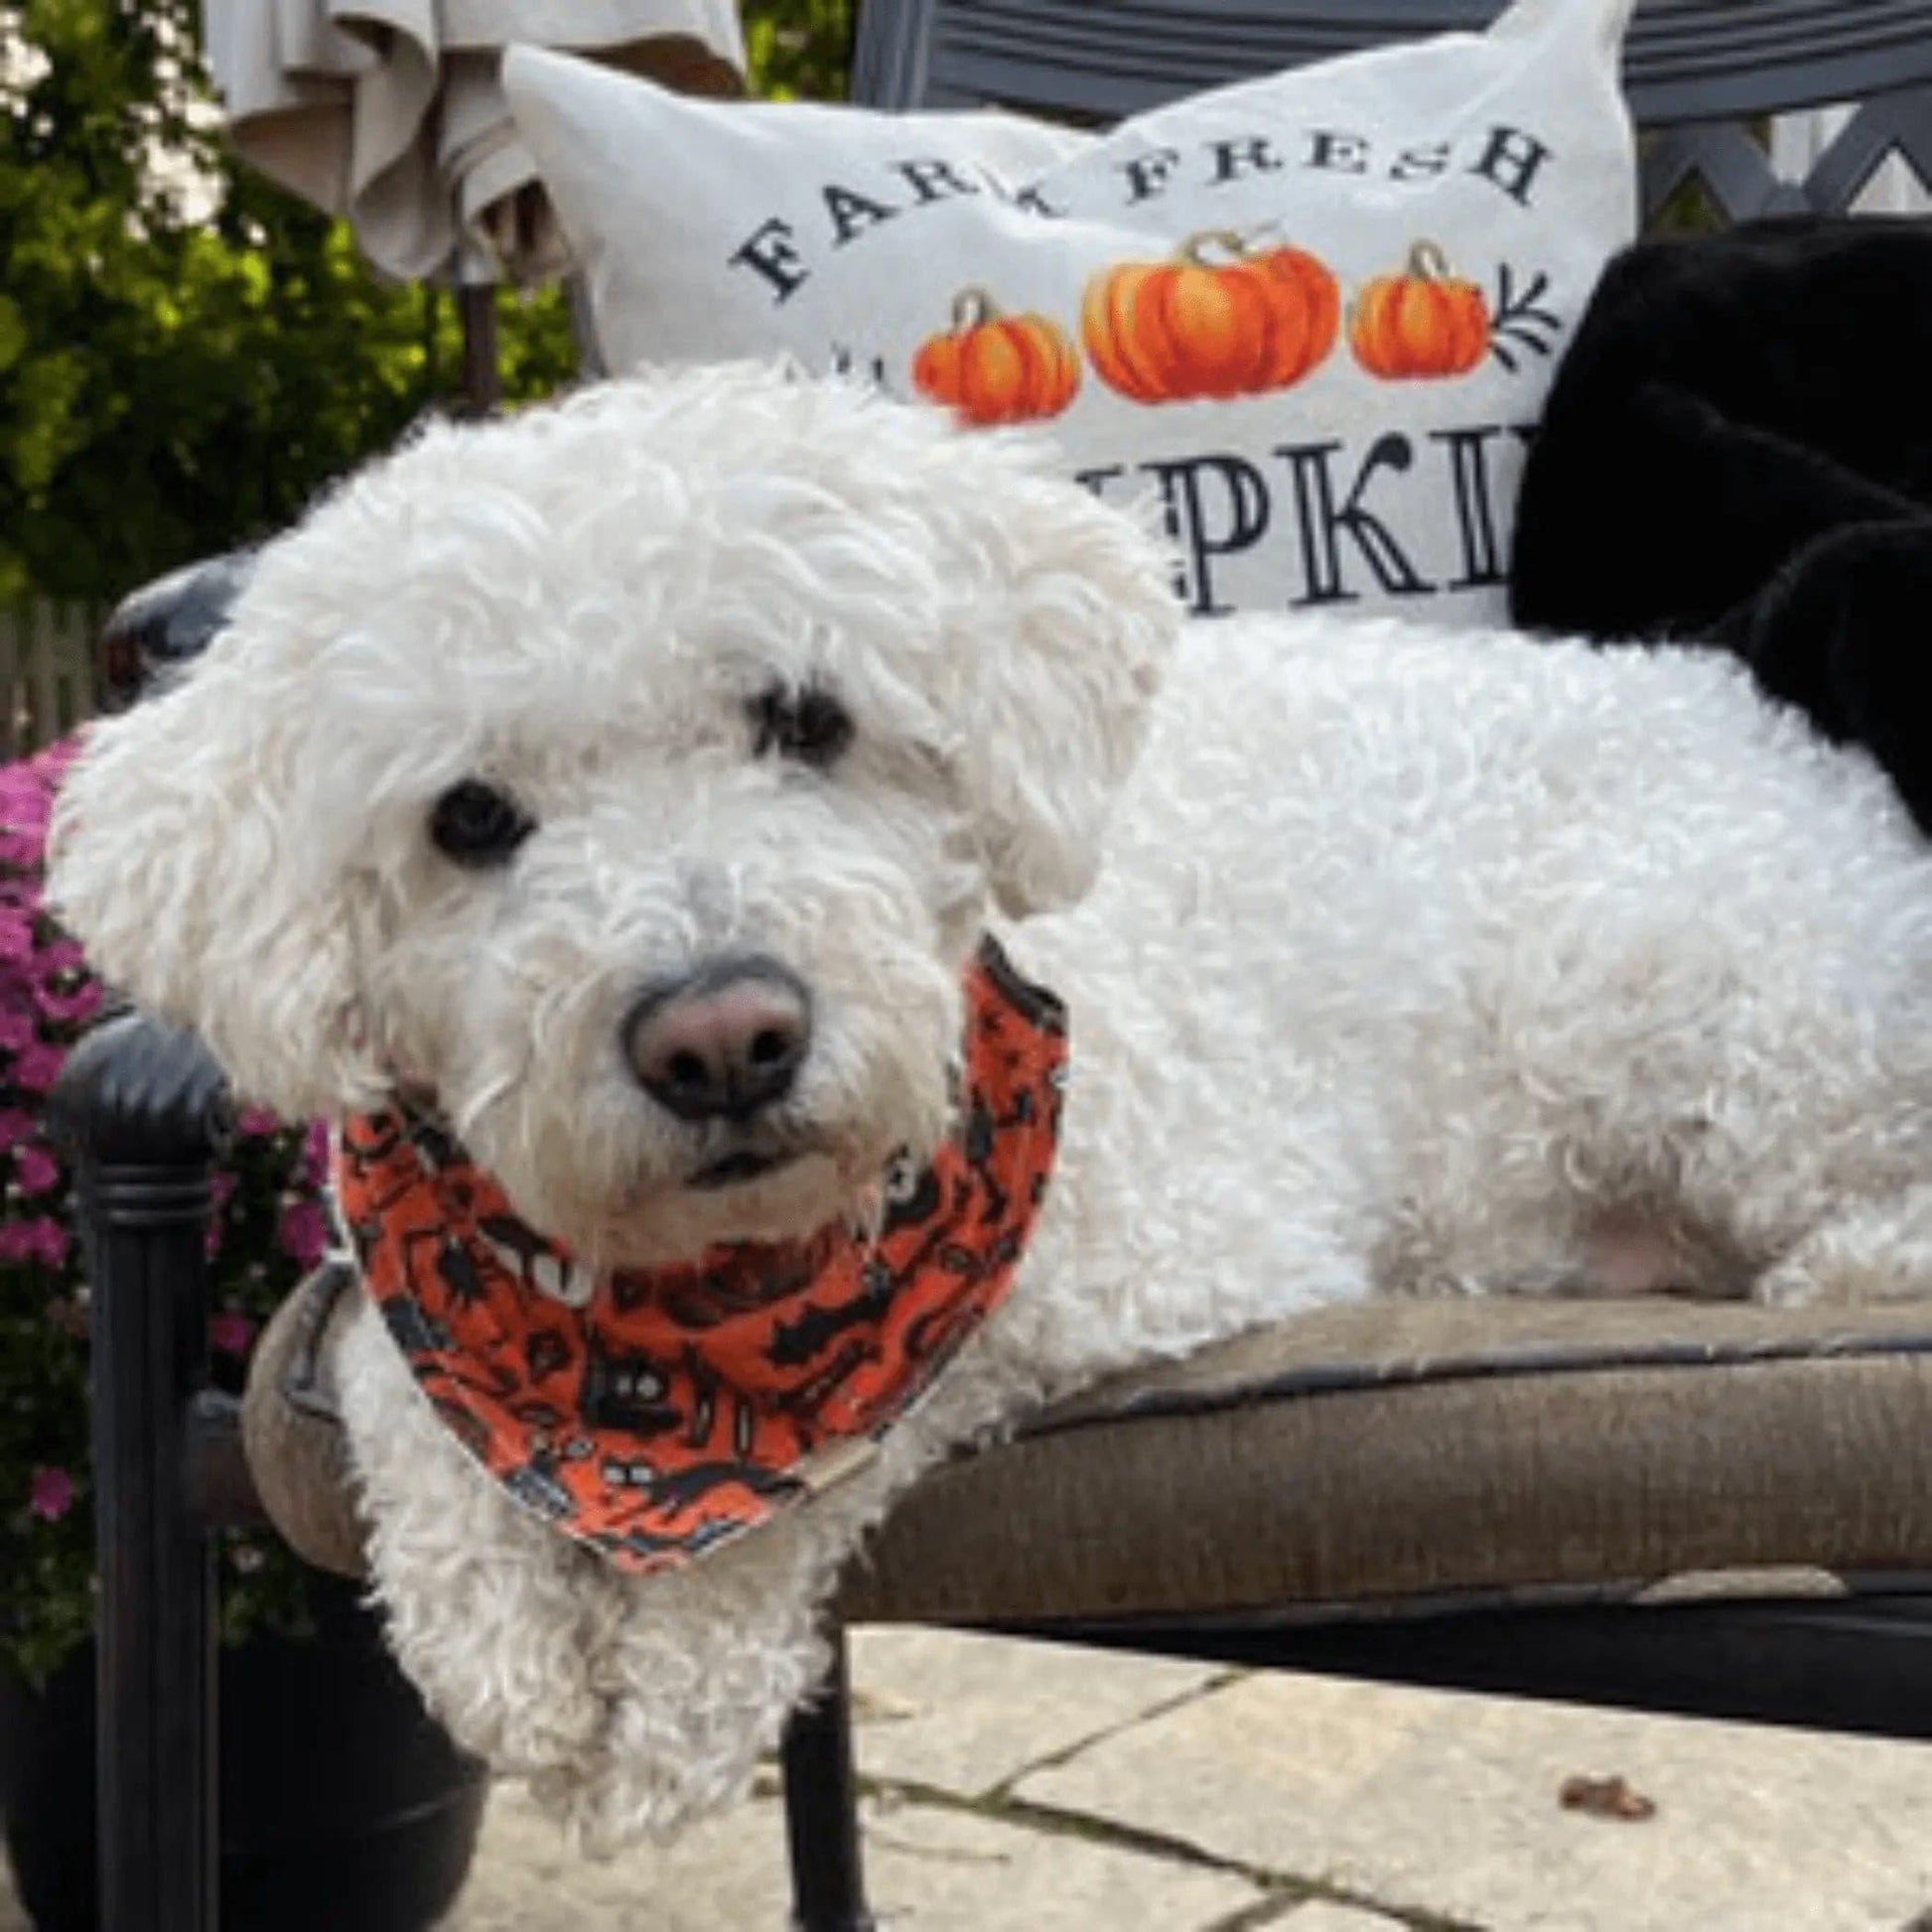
(1421, 322)
(997, 368)
(1187, 329)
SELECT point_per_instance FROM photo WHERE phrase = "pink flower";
(221, 1187)
(35, 1240)
(16, 937)
(304, 1232)
(259, 1120)
(35, 1169)
(16, 1030)
(62, 1007)
(24, 805)
(50, 1495)
(62, 956)
(314, 1154)
(15, 1127)
(38, 1067)
(53, 760)
(232, 1333)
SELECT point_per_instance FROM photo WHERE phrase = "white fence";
(46, 680)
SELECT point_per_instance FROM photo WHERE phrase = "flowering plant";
(269, 1230)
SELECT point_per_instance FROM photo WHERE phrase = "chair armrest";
(137, 1094)
(144, 1111)
(165, 623)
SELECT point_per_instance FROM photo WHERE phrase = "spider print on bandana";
(680, 1406)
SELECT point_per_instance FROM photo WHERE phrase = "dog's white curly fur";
(1414, 962)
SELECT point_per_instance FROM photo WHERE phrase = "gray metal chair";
(1290, 1462)
(1697, 71)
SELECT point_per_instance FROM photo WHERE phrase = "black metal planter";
(341, 1803)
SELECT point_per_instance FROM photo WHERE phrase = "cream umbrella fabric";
(388, 111)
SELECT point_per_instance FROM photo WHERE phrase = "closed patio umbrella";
(389, 112)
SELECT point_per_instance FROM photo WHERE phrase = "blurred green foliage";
(188, 355)
(801, 50)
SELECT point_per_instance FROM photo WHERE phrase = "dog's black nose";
(722, 1043)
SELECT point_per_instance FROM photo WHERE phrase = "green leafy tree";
(800, 48)
(188, 354)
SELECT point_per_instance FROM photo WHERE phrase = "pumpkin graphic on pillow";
(992, 368)
(1191, 328)
(1424, 322)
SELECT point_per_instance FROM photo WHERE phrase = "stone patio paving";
(1014, 1785)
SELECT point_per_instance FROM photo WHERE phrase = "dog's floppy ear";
(1064, 646)
(181, 859)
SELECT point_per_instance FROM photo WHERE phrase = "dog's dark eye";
(477, 825)
(809, 725)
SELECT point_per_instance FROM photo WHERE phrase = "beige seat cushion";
(1360, 1457)
(290, 1429)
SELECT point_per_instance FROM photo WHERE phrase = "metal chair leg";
(143, 1110)
(822, 1809)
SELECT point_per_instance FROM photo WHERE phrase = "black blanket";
(1738, 449)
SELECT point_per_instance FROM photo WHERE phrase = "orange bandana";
(681, 1404)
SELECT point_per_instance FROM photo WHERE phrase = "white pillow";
(1318, 312)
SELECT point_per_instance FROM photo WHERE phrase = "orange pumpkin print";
(1188, 328)
(997, 368)
(1421, 322)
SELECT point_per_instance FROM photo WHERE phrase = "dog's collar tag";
(675, 1407)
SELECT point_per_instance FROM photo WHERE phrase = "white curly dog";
(1395, 961)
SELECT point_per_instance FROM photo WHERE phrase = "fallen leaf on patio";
(1606, 1798)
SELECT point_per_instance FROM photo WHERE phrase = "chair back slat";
(1891, 123)
(1723, 158)
(1700, 68)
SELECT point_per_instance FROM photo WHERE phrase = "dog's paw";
(1790, 1285)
